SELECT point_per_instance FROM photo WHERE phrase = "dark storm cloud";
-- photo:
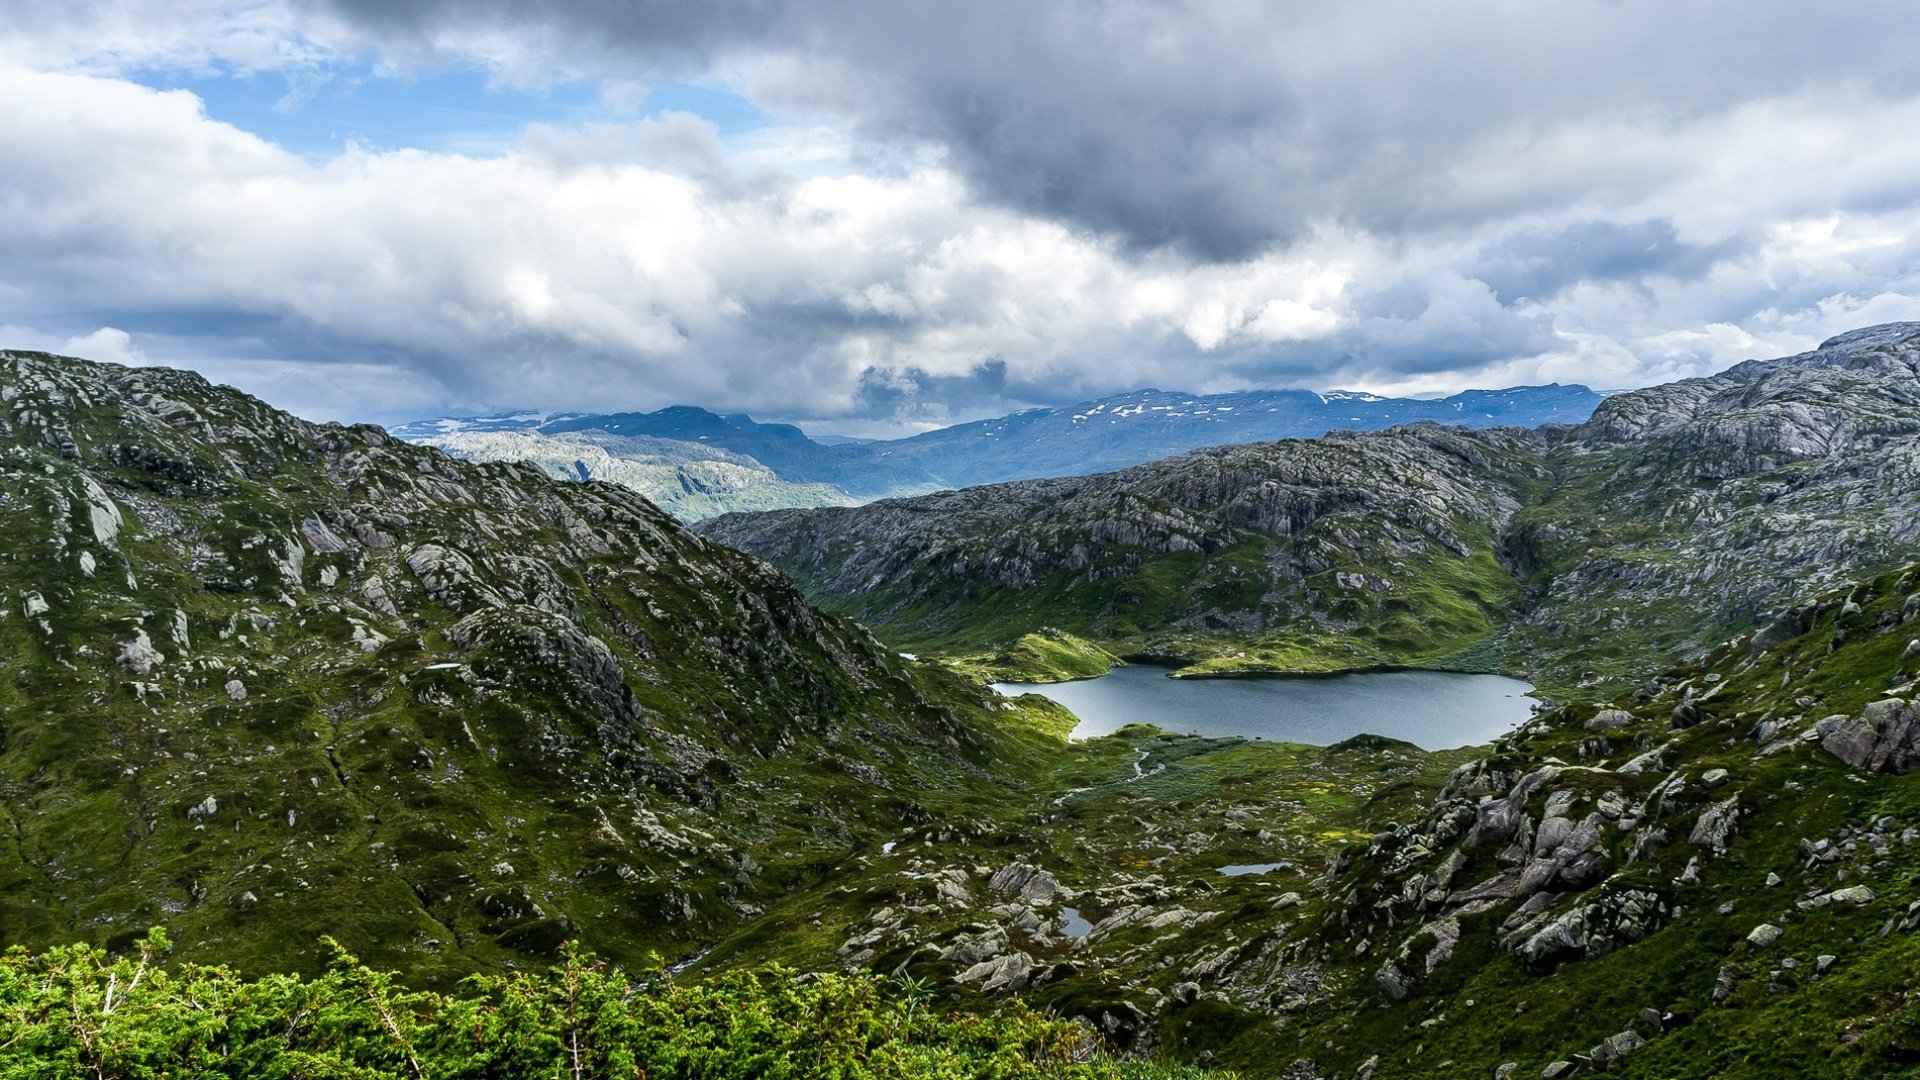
(1537, 263)
(1223, 128)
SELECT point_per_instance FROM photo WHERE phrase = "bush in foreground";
(77, 1012)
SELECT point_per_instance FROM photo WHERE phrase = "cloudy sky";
(878, 215)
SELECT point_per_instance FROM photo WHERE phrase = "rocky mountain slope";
(691, 481)
(263, 680)
(1672, 517)
(1319, 542)
(1107, 433)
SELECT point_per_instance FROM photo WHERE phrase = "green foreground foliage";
(76, 1011)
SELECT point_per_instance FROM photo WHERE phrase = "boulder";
(1613, 1048)
(1590, 930)
(1714, 828)
(1763, 935)
(1885, 737)
(1853, 894)
(1608, 719)
(1009, 971)
(1395, 984)
(1030, 884)
(1495, 821)
(138, 656)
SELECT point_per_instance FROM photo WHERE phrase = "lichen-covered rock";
(1609, 719)
(1031, 884)
(1715, 826)
(138, 656)
(1591, 929)
(1613, 1048)
(1885, 737)
(1006, 972)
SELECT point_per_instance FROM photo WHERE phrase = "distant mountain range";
(697, 463)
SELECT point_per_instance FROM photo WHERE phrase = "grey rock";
(138, 656)
(1715, 826)
(1591, 929)
(1608, 719)
(1030, 884)
(1395, 984)
(1853, 894)
(1007, 972)
(1885, 737)
(1613, 1048)
(1763, 935)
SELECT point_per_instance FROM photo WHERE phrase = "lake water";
(1435, 710)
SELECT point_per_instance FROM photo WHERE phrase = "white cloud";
(998, 207)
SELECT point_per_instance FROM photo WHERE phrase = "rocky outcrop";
(1027, 883)
(1885, 737)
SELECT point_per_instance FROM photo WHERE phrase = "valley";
(268, 684)
(1576, 557)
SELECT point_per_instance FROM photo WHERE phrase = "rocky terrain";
(695, 463)
(836, 474)
(1713, 875)
(1673, 517)
(263, 680)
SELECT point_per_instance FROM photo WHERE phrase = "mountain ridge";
(1808, 456)
(1114, 431)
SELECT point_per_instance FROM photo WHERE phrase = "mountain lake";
(1435, 710)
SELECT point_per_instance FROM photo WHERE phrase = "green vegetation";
(264, 683)
(76, 1012)
(1047, 655)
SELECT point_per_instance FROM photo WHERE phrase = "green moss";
(1045, 656)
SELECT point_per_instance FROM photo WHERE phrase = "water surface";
(1436, 710)
(1244, 869)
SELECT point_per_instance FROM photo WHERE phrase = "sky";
(878, 216)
